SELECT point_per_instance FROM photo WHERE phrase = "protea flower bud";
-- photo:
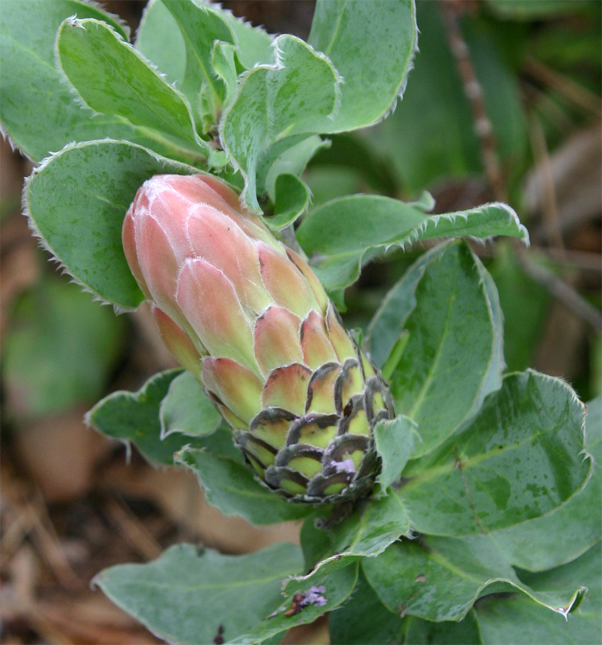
(248, 317)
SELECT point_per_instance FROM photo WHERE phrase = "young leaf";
(121, 82)
(291, 199)
(510, 619)
(187, 409)
(27, 52)
(157, 27)
(62, 358)
(253, 44)
(374, 223)
(223, 62)
(273, 102)
(440, 578)
(522, 457)
(77, 201)
(337, 588)
(364, 619)
(372, 45)
(230, 486)
(448, 306)
(395, 442)
(567, 532)
(134, 416)
(200, 26)
(186, 595)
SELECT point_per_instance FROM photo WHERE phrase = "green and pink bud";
(248, 317)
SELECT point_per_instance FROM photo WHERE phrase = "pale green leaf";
(122, 83)
(371, 44)
(77, 201)
(273, 102)
(291, 200)
(439, 578)
(200, 25)
(395, 441)
(447, 305)
(187, 409)
(522, 457)
(157, 27)
(186, 594)
(253, 44)
(230, 486)
(40, 127)
(375, 224)
(223, 62)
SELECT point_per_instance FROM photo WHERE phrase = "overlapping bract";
(248, 317)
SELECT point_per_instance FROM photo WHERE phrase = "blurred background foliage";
(503, 103)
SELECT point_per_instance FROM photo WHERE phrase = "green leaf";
(200, 26)
(337, 589)
(522, 457)
(395, 442)
(77, 201)
(59, 350)
(525, 304)
(185, 595)
(425, 632)
(122, 83)
(364, 619)
(452, 320)
(435, 101)
(223, 62)
(187, 409)
(253, 44)
(36, 126)
(440, 578)
(156, 28)
(518, 619)
(134, 416)
(277, 101)
(372, 45)
(292, 160)
(231, 487)
(365, 533)
(291, 200)
(567, 532)
(374, 223)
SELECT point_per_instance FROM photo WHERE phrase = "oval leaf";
(373, 223)
(452, 319)
(522, 457)
(77, 200)
(372, 45)
(186, 409)
(231, 487)
(121, 82)
(186, 595)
